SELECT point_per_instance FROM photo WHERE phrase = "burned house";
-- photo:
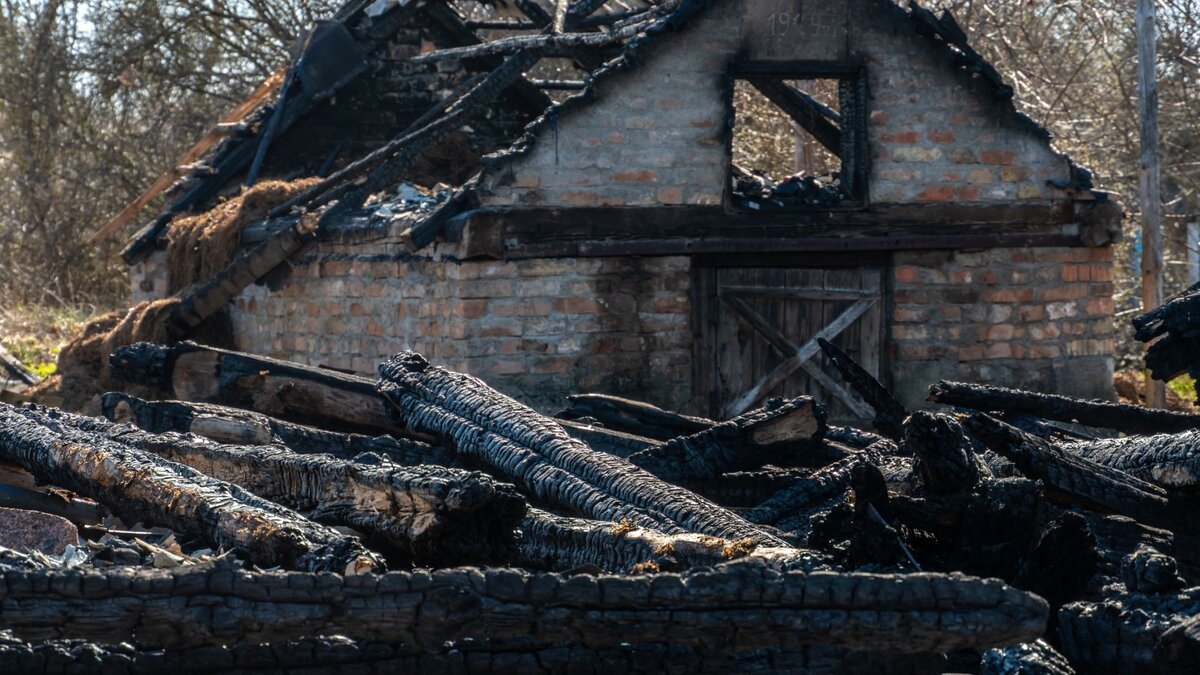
(563, 210)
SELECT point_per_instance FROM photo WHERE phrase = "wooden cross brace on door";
(797, 356)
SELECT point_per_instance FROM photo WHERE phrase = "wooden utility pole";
(1150, 195)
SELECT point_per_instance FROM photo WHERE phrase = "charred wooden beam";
(342, 656)
(724, 610)
(1118, 634)
(810, 114)
(1073, 478)
(224, 424)
(78, 511)
(435, 514)
(889, 414)
(634, 417)
(855, 438)
(748, 488)
(290, 391)
(542, 459)
(1130, 419)
(808, 492)
(12, 370)
(560, 544)
(139, 485)
(945, 460)
(557, 44)
(748, 441)
(1169, 460)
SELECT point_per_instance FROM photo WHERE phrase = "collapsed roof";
(492, 74)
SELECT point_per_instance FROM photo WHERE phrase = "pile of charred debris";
(247, 522)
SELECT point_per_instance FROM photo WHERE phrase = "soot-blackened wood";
(290, 391)
(1119, 536)
(1147, 570)
(1130, 419)
(748, 488)
(1119, 633)
(339, 655)
(748, 441)
(889, 414)
(78, 511)
(1178, 650)
(1072, 478)
(436, 514)
(1169, 460)
(809, 491)
(544, 461)
(634, 417)
(944, 458)
(1179, 315)
(855, 438)
(984, 531)
(138, 485)
(224, 424)
(1027, 658)
(1172, 355)
(730, 608)
(560, 543)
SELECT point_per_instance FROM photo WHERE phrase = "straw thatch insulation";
(200, 246)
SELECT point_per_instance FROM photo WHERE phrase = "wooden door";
(757, 330)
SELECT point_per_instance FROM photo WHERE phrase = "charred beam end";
(1179, 314)
(1073, 478)
(244, 427)
(731, 608)
(435, 514)
(1178, 650)
(748, 441)
(542, 459)
(560, 543)
(138, 485)
(889, 414)
(944, 458)
(808, 492)
(633, 417)
(1121, 634)
(1129, 419)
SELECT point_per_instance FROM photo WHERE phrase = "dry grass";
(200, 246)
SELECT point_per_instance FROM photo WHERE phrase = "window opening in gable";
(797, 143)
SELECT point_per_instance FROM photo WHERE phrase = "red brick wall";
(536, 329)
(1026, 317)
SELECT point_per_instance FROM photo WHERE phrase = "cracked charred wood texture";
(244, 427)
(889, 414)
(290, 391)
(634, 417)
(560, 544)
(1072, 478)
(337, 655)
(542, 459)
(748, 488)
(1130, 419)
(767, 435)
(1117, 537)
(944, 458)
(735, 607)
(1063, 563)
(138, 485)
(855, 438)
(1168, 460)
(1146, 570)
(810, 491)
(1118, 634)
(1172, 355)
(1178, 650)
(1027, 658)
(984, 531)
(436, 514)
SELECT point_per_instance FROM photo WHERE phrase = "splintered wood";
(622, 534)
